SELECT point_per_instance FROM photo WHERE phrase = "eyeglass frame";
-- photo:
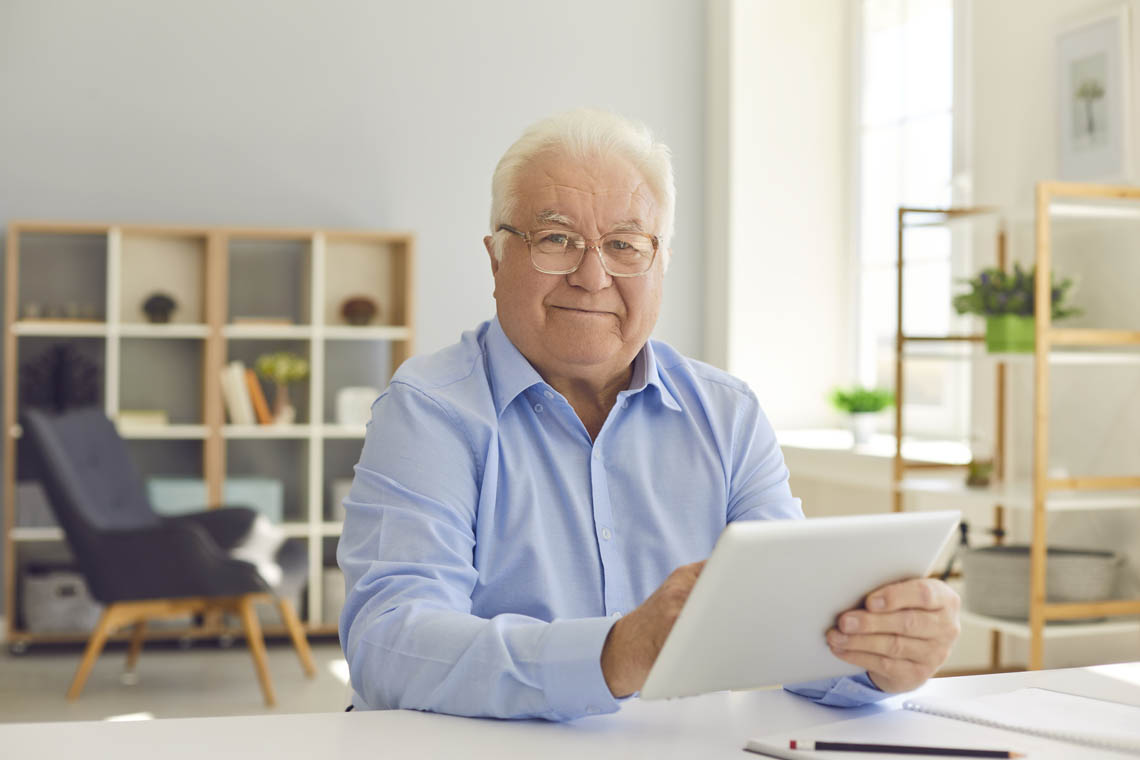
(595, 244)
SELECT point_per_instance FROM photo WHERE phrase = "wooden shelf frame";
(216, 335)
(1044, 493)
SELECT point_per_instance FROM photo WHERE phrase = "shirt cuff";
(848, 691)
(572, 677)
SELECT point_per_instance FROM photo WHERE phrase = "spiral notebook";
(1049, 714)
(1039, 722)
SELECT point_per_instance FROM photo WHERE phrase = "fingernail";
(876, 603)
(838, 639)
(850, 624)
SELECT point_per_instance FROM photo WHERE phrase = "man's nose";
(590, 275)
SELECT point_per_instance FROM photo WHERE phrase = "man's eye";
(556, 238)
(620, 245)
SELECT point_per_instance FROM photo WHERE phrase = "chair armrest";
(170, 560)
(227, 526)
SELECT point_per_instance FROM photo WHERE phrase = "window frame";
(952, 418)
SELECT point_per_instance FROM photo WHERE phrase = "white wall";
(370, 113)
(784, 114)
(340, 113)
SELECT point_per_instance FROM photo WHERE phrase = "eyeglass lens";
(623, 252)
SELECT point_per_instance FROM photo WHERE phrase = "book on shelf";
(235, 393)
(257, 396)
(143, 417)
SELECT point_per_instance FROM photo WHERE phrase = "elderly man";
(533, 504)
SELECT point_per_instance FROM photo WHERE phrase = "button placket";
(615, 593)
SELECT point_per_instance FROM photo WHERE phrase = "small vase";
(862, 427)
(283, 411)
(1010, 333)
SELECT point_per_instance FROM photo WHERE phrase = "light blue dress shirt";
(489, 544)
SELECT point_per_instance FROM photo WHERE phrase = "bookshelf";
(1038, 494)
(240, 292)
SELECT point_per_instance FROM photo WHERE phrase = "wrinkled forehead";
(593, 192)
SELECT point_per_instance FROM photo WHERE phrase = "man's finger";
(917, 593)
(887, 644)
(889, 675)
(917, 624)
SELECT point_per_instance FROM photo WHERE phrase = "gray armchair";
(144, 566)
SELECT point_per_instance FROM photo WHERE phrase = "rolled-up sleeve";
(406, 550)
(849, 691)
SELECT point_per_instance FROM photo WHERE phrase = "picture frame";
(1094, 97)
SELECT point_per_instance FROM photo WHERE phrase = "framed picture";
(1093, 63)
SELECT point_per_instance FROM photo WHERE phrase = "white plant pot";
(863, 427)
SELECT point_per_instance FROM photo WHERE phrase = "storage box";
(176, 496)
(997, 578)
(58, 601)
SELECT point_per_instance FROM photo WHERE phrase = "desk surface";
(711, 726)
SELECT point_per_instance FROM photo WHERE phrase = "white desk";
(712, 726)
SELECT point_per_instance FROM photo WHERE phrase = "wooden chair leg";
(297, 633)
(256, 647)
(137, 637)
(108, 622)
(212, 619)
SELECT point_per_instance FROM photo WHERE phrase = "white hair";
(581, 134)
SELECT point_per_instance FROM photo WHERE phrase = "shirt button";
(606, 534)
(549, 394)
(625, 405)
(616, 614)
(597, 453)
(538, 408)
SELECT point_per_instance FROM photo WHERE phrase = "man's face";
(587, 324)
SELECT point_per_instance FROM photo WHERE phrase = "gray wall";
(340, 113)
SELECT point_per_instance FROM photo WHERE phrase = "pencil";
(902, 749)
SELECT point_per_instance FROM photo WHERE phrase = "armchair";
(143, 566)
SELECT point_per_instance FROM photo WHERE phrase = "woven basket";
(997, 578)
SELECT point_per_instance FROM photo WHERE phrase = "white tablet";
(758, 614)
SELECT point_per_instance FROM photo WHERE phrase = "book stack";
(244, 399)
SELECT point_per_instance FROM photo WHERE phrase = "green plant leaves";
(994, 292)
(858, 399)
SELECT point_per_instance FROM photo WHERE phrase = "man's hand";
(636, 639)
(902, 635)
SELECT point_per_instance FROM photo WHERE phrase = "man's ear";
(489, 244)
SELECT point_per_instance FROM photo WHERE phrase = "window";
(906, 155)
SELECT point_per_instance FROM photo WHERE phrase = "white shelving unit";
(234, 288)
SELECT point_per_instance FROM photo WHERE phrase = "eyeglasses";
(623, 254)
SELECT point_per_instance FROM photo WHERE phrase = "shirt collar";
(511, 373)
(646, 372)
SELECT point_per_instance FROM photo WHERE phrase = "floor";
(171, 682)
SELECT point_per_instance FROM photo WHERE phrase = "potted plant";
(1006, 300)
(862, 404)
(282, 368)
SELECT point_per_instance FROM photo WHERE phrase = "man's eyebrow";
(629, 225)
(549, 216)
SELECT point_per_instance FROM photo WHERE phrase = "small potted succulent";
(862, 405)
(1006, 300)
(282, 368)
